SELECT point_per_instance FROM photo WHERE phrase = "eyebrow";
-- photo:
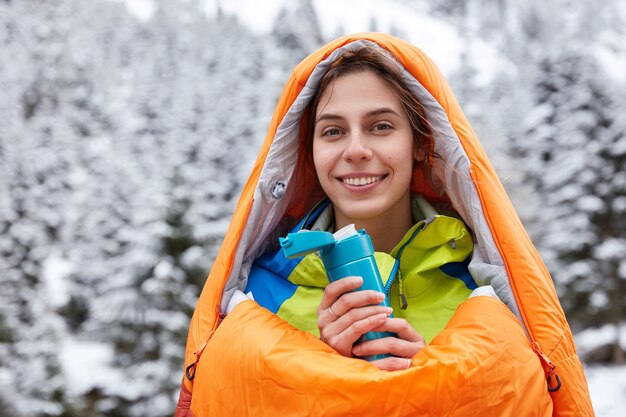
(376, 112)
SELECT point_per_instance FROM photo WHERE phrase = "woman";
(368, 147)
(367, 134)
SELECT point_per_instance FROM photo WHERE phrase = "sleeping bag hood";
(513, 357)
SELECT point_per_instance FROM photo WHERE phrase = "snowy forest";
(125, 141)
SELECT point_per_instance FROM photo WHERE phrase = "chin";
(363, 213)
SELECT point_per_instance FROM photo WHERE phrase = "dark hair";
(372, 59)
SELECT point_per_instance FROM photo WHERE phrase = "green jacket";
(425, 275)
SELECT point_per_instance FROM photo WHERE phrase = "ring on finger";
(332, 313)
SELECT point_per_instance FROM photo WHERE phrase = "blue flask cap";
(305, 242)
(340, 248)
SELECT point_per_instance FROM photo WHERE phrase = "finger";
(357, 299)
(392, 364)
(335, 289)
(407, 343)
(388, 345)
(356, 314)
(343, 341)
(402, 329)
(332, 313)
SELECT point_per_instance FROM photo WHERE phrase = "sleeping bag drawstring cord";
(548, 367)
(190, 371)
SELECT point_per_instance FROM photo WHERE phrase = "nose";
(357, 148)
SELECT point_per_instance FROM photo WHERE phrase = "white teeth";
(362, 181)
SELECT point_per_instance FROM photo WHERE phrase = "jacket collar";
(321, 217)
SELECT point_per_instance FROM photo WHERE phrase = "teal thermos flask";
(348, 252)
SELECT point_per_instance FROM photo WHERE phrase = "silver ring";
(332, 313)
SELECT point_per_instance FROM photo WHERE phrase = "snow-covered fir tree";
(296, 32)
(37, 157)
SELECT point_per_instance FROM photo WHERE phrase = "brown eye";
(381, 127)
(331, 131)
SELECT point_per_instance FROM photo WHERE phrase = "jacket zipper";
(395, 271)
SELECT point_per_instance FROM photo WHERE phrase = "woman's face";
(363, 149)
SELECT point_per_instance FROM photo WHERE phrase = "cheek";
(319, 160)
(323, 154)
(402, 162)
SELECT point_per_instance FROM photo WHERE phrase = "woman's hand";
(343, 316)
(401, 348)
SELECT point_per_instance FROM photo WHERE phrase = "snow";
(607, 384)
(590, 339)
(143, 9)
(611, 249)
(607, 387)
(87, 365)
(439, 40)
(613, 59)
(55, 269)
(442, 42)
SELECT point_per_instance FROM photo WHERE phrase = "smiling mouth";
(359, 182)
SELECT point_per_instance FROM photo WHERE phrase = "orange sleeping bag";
(492, 359)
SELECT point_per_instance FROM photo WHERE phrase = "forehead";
(355, 91)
